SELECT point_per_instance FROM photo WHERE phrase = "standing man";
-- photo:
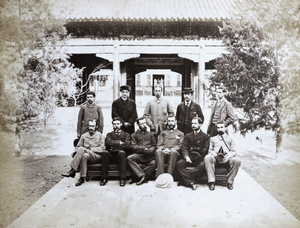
(222, 111)
(143, 146)
(88, 150)
(158, 110)
(116, 143)
(221, 151)
(125, 109)
(194, 148)
(186, 111)
(168, 147)
(89, 111)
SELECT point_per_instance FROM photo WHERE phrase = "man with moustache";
(143, 145)
(125, 109)
(88, 150)
(186, 111)
(157, 110)
(221, 151)
(221, 111)
(89, 111)
(117, 142)
(168, 146)
(194, 148)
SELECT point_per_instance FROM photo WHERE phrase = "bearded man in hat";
(89, 111)
(186, 111)
(221, 151)
(194, 148)
(125, 109)
(168, 147)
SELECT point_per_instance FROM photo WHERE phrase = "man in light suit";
(221, 151)
(88, 150)
(117, 143)
(168, 147)
(125, 109)
(186, 111)
(194, 148)
(221, 111)
(158, 109)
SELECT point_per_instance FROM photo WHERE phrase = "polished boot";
(80, 181)
(122, 182)
(229, 186)
(70, 173)
(193, 186)
(141, 180)
(103, 182)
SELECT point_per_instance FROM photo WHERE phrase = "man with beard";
(186, 111)
(88, 150)
(89, 111)
(168, 146)
(194, 148)
(221, 111)
(125, 109)
(116, 143)
(158, 109)
(144, 146)
(221, 151)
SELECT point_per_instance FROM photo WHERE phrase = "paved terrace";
(91, 205)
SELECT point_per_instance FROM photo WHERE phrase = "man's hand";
(187, 159)
(166, 151)
(121, 143)
(226, 158)
(78, 135)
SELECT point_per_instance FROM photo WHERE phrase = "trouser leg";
(210, 163)
(149, 169)
(75, 163)
(122, 163)
(235, 164)
(88, 157)
(132, 161)
(173, 156)
(104, 162)
(160, 162)
(184, 175)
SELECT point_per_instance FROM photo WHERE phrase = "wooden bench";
(94, 170)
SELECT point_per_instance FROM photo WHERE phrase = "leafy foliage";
(249, 73)
(34, 71)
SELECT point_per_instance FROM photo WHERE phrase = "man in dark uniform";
(194, 148)
(125, 109)
(186, 111)
(117, 142)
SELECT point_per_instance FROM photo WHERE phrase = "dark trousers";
(186, 177)
(140, 167)
(117, 157)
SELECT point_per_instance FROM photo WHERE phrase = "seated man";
(88, 150)
(116, 143)
(143, 146)
(221, 151)
(194, 148)
(168, 146)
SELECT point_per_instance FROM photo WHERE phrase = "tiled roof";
(146, 10)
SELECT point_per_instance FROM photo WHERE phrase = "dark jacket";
(126, 111)
(112, 141)
(198, 143)
(180, 116)
(142, 140)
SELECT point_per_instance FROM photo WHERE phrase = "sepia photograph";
(150, 113)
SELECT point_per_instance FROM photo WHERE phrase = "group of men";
(162, 138)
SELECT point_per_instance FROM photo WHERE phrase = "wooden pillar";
(116, 70)
(201, 74)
